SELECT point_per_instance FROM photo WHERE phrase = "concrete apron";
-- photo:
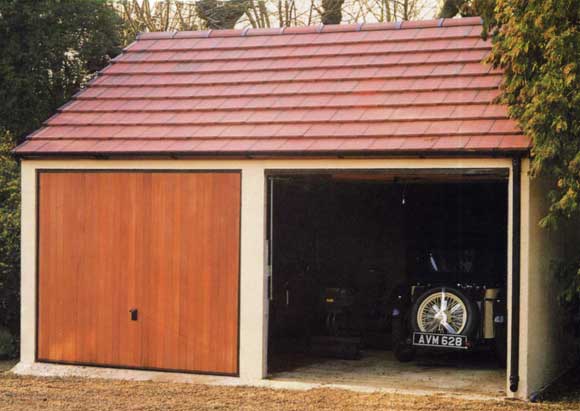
(61, 371)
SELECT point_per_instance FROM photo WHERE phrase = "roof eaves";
(489, 153)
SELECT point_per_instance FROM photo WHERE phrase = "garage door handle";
(134, 314)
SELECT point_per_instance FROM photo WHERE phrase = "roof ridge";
(317, 29)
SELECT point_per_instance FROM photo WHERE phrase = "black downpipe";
(515, 312)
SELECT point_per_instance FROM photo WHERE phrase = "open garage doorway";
(389, 279)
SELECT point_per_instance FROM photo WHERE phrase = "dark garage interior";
(352, 255)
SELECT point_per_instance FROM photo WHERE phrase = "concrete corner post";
(28, 265)
(253, 304)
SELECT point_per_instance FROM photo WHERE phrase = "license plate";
(440, 340)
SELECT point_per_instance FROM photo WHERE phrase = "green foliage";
(537, 44)
(48, 49)
(9, 237)
(7, 344)
(568, 273)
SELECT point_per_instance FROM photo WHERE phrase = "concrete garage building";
(176, 208)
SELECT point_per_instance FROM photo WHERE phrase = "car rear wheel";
(445, 310)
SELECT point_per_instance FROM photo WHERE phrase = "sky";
(429, 7)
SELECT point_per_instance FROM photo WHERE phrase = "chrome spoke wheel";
(443, 313)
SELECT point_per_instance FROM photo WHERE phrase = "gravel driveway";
(34, 393)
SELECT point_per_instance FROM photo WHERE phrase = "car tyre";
(472, 311)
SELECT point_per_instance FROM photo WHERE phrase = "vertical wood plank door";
(163, 243)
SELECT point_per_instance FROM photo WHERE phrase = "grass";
(36, 393)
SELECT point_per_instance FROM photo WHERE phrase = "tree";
(219, 14)
(168, 15)
(331, 11)
(287, 13)
(9, 246)
(465, 8)
(392, 10)
(48, 50)
(537, 44)
(183, 15)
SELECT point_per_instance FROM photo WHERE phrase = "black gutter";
(515, 311)
(350, 154)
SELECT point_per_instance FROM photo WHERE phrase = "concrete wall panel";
(546, 347)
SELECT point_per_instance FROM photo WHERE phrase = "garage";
(301, 206)
(359, 264)
(139, 269)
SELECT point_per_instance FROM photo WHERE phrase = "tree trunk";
(332, 11)
(221, 14)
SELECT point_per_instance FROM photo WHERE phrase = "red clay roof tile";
(517, 141)
(351, 129)
(293, 130)
(490, 142)
(447, 127)
(431, 97)
(475, 126)
(295, 115)
(212, 145)
(238, 145)
(326, 144)
(412, 128)
(504, 126)
(266, 145)
(382, 113)
(322, 130)
(468, 111)
(419, 143)
(31, 146)
(388, 144)
(415, 86)
(296, 145)
(496, 110)
(348, 114)
(475, 21)
(183, 146)
(421, 24)
(381, 129)
(356, 144)
(317, 115)
(379, 26)
(451, 143)
(438, 112)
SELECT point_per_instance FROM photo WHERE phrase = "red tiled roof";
(368, 88)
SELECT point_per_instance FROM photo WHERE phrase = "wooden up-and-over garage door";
(139, 269)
